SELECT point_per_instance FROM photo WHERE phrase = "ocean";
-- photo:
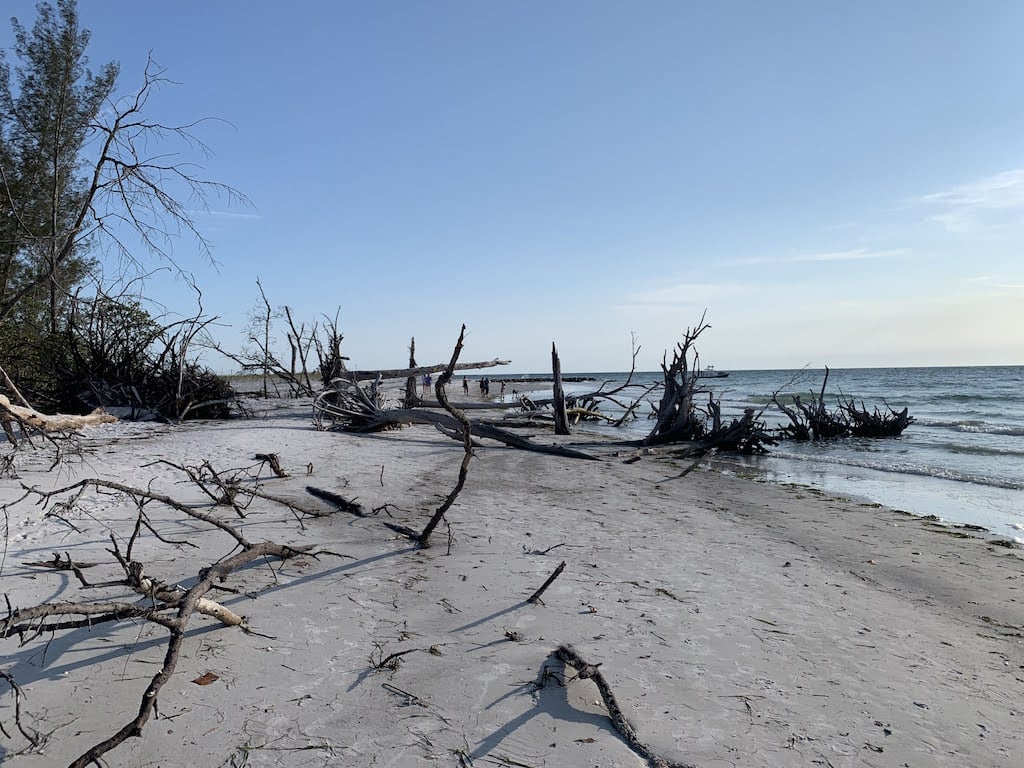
(962, 460)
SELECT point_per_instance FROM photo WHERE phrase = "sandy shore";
(738, 623)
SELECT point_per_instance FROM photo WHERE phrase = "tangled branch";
(165, 604)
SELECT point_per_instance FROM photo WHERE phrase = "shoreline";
(930, 496)
(738, 622)
(863, 482)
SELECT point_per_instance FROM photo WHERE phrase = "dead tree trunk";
(677, 418)
(411, 398)
(332, 362)
(561, 417)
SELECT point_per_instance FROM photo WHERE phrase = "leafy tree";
(48, 109)
(80, 170)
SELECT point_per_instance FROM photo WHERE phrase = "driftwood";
(167, 605)
(352, 410)
(584, 406)
(423, 538)
(56, 422)
(12, 388)
(676, 417)
(351, 407)
(587, 671)
(339, 501)
(411, 398)
(273, 461)
(535, 597)
(814, 420)
(404, 373)
(746, 435)
(561, 417)
(875, 423)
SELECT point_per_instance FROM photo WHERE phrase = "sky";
(833, 183)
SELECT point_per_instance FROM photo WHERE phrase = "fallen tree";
(586, 406)
(875, 423)
(678, 419)
(54, 422)
(421, 370)
(165, 604)
(814, 420)
(351, 408)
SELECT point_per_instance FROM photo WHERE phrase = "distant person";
(503, 391)
(465, 385)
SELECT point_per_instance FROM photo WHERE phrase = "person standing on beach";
(465, 385)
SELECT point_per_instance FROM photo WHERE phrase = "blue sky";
(837, 183)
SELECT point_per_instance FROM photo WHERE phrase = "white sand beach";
(739, 624)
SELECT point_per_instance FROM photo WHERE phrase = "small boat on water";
(711, 373)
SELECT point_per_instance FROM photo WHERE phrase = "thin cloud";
(963, 207)
(647, 309)
(233, 215)
(681, 295)
(854, 254)
(991, 281)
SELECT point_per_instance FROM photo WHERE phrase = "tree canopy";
(49, 104)
(83, 173)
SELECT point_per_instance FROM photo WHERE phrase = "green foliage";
(49, 102)
(77, 165)
(114, 353)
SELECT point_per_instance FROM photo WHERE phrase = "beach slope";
(737, 623)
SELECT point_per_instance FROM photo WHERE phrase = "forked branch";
(585, 670)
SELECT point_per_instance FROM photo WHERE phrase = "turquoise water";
(961, 460)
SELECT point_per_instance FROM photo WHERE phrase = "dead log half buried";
(339, 501)
(585, 670)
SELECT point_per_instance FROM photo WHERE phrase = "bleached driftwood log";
(402, 373)
(50, 422)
